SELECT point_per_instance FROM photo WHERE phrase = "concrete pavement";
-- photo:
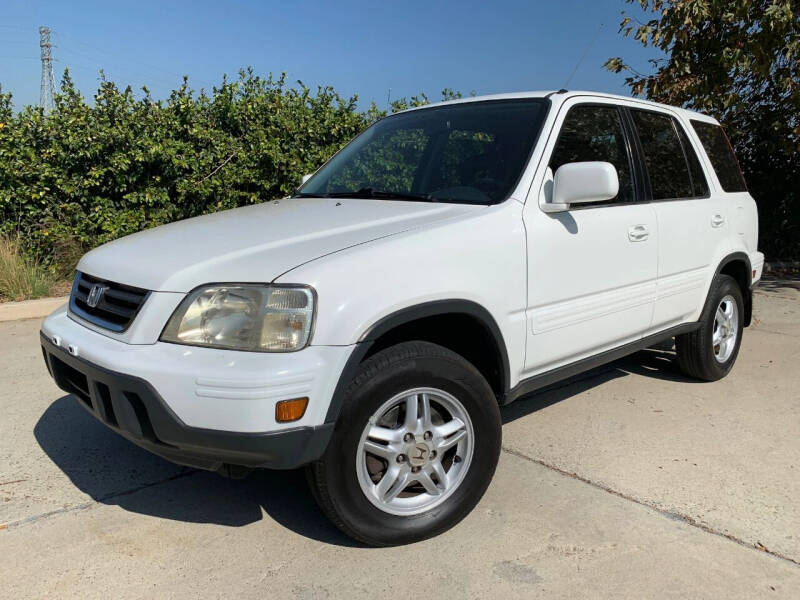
(631, 482)
(30, 309)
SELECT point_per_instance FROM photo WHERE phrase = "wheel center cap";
(419, 453)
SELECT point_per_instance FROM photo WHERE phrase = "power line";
(111, 69)
(14, 28)
(47, 86)
(121, 56)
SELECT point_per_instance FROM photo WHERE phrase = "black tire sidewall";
(448, 373)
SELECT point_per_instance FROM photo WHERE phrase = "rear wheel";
(710, 352)
(414, 449)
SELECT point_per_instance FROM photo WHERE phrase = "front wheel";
(414, 448)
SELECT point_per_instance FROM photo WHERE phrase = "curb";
(30, 309)
(780, 265)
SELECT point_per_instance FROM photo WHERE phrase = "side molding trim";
(537, 382)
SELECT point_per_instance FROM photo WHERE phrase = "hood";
(254, 243)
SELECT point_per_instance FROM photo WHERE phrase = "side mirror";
(581, 182)
(304, 179)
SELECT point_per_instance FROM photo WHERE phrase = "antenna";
(585, 52)
(47, 87)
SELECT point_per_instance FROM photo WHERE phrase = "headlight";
(239, 316)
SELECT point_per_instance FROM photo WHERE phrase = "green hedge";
(86, 174)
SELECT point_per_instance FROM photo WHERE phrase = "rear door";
(693, 224)
(591, 269)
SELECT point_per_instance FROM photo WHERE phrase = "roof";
(564, 95)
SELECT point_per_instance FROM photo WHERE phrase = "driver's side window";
(592, 132)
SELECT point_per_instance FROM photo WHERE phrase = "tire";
(404, 378)
(698, 354)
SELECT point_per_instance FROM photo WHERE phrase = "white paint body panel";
(589, 287)
(478, 256)
(252, 244)
(560, 286)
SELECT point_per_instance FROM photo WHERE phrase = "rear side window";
(699, 183)
(591, 133)
(721, 154)
(666, 162)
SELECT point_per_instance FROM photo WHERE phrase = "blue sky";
(357, 47)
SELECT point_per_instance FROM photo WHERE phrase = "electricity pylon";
(47, 88)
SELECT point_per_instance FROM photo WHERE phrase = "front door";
(592, 269)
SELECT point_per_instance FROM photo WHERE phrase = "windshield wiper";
(368, 192)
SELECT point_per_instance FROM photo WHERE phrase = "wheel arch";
(434, 322)
(737, 265)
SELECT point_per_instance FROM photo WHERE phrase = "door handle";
(638, 233)
(717, 220)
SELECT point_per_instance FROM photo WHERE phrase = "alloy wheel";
(726, 329)
(415, 451)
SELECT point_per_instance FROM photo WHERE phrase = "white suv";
(447, 261)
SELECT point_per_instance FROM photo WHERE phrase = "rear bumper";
(132, 407)
(757, 269)
(757, 265)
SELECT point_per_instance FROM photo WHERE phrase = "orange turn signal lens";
(287, 411)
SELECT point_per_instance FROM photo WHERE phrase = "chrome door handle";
(638, 233)
(717, 220)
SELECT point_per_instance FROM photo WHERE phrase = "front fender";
(477, 260)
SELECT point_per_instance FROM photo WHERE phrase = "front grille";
(115, 307)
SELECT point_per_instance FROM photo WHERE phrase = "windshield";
(470, 153)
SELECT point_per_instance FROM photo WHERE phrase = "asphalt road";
(630, 482)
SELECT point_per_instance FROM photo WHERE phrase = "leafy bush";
(84, 174)
(21, 277)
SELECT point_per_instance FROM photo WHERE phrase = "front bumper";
(213, 389)
(132, 407)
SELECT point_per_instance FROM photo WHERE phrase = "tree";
(738, 60)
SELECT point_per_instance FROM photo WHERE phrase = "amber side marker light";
(287, 411)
